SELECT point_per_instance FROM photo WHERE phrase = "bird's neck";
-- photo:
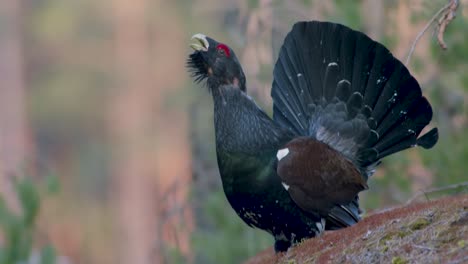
(240, 125)
(246, 140)
(232, 113)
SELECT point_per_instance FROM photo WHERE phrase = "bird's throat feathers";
(224, 94)
(216, 85)
(240, 125)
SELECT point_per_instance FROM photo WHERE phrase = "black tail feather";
(343, 90)
(429, 139)
(342, 216)
(406, 130)
(331, 79)
(354, 104)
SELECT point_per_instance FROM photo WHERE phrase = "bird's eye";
(223, 50)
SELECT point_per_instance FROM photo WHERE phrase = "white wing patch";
(282, 153)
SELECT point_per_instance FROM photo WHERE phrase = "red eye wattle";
(225, 49)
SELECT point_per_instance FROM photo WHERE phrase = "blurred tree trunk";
(14, 132)
(152, 169)
(374, 21)
(130, 114)
(257, 52)
(173, 155)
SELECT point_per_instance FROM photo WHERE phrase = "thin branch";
(444, 21)
(463, 185)
(449, 14)
(423, 247)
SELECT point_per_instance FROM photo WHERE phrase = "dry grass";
(431, 232)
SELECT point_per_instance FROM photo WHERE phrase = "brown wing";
(316, 176)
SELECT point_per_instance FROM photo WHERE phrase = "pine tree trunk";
(14, 132)
(152, 168)
(130, 113)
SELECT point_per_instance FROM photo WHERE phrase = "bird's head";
(215, 62)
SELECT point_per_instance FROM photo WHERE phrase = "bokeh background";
(95, 100)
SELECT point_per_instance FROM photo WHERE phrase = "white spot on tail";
(320, 226)
(332, 64)
(281, 237)
(299, 74)
(285, 185)
(282, 153)
(393, 98)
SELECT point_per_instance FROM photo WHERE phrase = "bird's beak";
(201, 44)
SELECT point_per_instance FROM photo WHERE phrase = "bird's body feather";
(246, 152)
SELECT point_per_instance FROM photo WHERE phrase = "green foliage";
(348, 13)
(174, 256)
(233, 241)
(399, 260)
(252, 4)
(18, 229)
(48, 255)
(449, 160)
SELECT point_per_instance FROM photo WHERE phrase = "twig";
(444, 21)
(449, 14)
(423, 247)
(435, 190)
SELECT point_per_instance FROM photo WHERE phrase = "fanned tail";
(339, 86)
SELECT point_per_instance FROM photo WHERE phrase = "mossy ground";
(430, 232)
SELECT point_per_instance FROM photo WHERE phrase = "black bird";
(341, 103)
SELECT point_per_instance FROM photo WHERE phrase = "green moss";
(448, 236)
(309, 260)
(384, 249)
(349, 250)
(461, 243)
(402, 234)
(387, 237)
(393, 235)
(419, 224)
(399, 260)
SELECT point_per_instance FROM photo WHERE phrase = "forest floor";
(429, 232)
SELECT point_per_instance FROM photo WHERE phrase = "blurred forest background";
(95, 98)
